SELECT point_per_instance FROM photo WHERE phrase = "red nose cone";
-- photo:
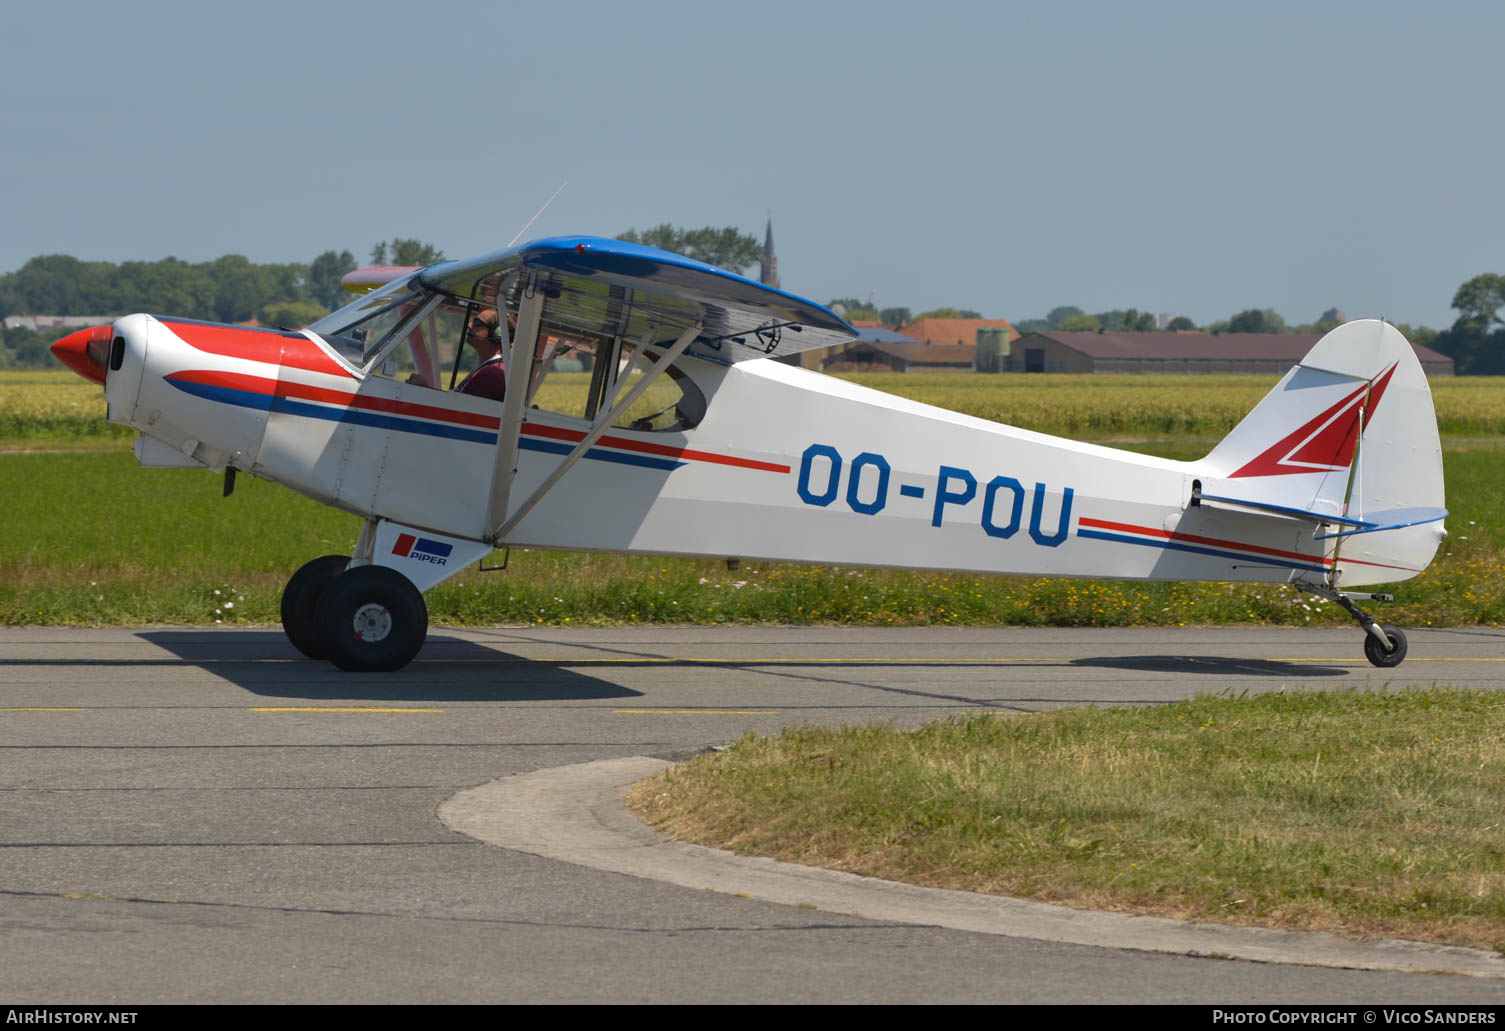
(85, 352)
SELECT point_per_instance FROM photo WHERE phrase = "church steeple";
(768, 274)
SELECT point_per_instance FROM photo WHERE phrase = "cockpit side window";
(581, 376)
(672, 402)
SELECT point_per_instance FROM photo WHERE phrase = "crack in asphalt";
(258, 907)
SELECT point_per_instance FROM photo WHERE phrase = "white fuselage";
(786, 465)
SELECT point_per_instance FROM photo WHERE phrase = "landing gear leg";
(1384, 645)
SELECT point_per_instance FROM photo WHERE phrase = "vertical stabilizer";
(1350, 431)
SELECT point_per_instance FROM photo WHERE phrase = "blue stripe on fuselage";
(1256, 560)
(268, 403)
(554, 447)
(356, 416)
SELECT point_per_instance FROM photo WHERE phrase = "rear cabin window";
(418, 337)
(576, 376)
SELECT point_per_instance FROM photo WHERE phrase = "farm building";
(957, 332)
(940, 344)
(880, 350)
(1265, 353)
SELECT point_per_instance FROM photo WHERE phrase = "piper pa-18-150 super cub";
(685, 439)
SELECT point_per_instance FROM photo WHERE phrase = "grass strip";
(93, 540)
(1365, 814)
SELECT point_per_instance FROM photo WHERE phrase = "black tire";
(301, 596)
(371, 619)
(1377, 655)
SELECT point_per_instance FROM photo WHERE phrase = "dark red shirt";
(489, 380)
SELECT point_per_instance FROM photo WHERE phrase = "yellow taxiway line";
(669, 660)
(695, 712)
(313, 708)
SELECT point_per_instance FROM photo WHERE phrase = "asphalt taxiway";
(202, 815)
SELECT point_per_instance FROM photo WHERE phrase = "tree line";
(231, 288)
(234, 289)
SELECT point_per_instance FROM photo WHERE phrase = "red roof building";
(959, 332)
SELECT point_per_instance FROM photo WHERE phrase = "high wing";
(613, 288)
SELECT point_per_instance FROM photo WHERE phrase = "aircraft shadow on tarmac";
(1211, 664)
(448, 669)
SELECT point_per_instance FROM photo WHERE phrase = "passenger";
(489, 379)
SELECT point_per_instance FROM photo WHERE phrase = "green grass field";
(94, 540)
(1362, 813)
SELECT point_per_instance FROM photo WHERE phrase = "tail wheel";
(1377, 655)
(371, 619)
(300, 597)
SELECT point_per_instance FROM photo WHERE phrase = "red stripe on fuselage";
(1192, 538)
(304, 392)
(534, 429)
(258, 345)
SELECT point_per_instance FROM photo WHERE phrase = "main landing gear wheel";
(300, 597)
(1377, 655)
(371, 619)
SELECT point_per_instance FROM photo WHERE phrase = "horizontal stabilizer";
(1285, 510)
(1394, 519)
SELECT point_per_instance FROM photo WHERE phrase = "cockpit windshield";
(359, 328)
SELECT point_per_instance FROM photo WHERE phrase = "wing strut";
(602, 423)
(514, 405)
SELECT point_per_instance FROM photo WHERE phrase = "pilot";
(489, 379)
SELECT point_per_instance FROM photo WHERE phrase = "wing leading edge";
(613, 287)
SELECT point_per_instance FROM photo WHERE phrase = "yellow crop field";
(1106, 406)
(42, 408)
(46, 406)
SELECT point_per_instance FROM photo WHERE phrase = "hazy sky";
(1194, 158)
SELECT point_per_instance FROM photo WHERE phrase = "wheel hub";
(372, 623)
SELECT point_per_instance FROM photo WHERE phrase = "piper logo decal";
(421, 549)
